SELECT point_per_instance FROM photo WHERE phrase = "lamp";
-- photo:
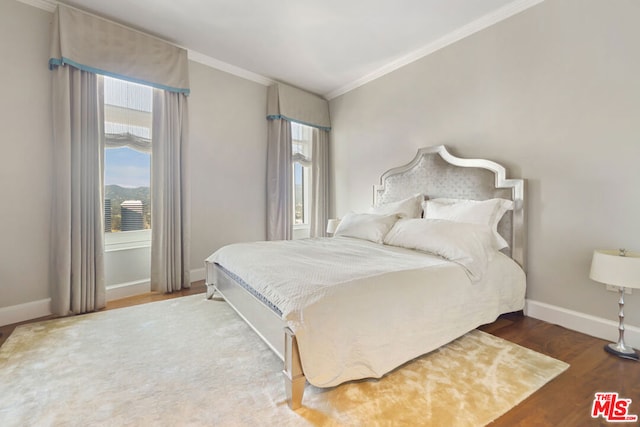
(619, 268)
(332, 225)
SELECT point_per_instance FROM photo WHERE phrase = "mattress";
(360, 309)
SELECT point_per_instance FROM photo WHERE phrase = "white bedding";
(360, 309)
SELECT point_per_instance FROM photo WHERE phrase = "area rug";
(193, 362)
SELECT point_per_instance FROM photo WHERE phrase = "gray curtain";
(320, 183)
(287, 104)
(77, 221)
(170, 228)
(279, 180)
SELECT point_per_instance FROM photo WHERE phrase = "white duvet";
(360, 309)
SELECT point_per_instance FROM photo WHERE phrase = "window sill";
(301, 231)
(127, 240)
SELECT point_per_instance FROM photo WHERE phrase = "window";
(301, 150)
(127, 164)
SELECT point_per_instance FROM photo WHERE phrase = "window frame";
(305, 162)
(133, 239)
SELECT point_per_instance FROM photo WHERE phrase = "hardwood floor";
(565, 401)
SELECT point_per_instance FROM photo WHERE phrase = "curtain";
(286, 104)
(169, 193)
(320, 183)
(279, 181)
(128, 115)
(290, 103)
(100, 46)
(82, 41)
(77, 222)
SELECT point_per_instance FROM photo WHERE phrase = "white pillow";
(486, 212)
(366, 226)
(469, 245)
(408, 208)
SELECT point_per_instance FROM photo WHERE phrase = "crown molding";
(465, 31)
(228, 68)
(50, 6)
(485, 21)
(47, 5)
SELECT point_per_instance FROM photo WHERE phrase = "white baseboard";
(128, 289)
(41, 308)
(590, 325)
(197, 274)
(27, 311)
(585, 323)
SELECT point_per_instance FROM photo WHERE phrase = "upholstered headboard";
(435, 173)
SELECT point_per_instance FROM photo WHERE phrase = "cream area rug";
(193, 362)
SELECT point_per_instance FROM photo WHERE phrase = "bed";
(409, 275)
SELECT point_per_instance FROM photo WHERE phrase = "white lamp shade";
(607, 266)
(332, 225)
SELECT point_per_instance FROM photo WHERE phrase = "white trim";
(584, 323)
(49, 6)
(301, 231)
(41, 308)
(129, 289)
(197, 274)
(125, 240)
(479, 24)
(27, 311)
(473, 27)
(580, 322)
(228, 68)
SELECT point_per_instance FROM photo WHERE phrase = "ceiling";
(327, 47)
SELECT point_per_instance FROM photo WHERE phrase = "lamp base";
(624, 352)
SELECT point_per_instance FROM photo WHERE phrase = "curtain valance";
(292, 104)
(103, 47)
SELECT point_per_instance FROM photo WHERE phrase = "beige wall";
(227, 160)
(25, 162)
(552, 93)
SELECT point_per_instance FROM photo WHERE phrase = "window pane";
(127, 160)
(127, 167)
(301, 150)
(124, 128)
(130, 96)
(301, 140)
(127, 178)
(299, 193)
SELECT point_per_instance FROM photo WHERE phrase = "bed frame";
(433, 172)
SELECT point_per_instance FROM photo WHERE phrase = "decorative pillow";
(366, 226)
(469, 245)
(407, 208)
(487, 212)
